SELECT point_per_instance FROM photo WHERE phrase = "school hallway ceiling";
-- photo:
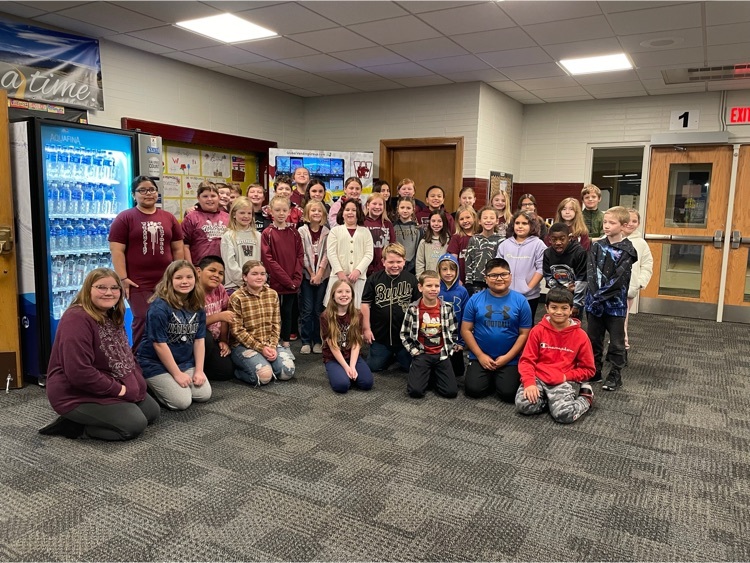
(328, 48)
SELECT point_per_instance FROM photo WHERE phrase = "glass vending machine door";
(86, 175)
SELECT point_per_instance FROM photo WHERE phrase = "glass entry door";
(686, 217)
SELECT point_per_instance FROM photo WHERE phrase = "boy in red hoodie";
(282, 255)
(556, 359)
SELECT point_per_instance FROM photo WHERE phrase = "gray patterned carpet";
(657, 471)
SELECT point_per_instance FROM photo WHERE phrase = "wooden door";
(685, 222)
(10, 343)
(429, 161)
(737, 293)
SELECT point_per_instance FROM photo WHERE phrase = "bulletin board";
(187, 165)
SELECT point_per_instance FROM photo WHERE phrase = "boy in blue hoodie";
(610, 261)
(452, 291)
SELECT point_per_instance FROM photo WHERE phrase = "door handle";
(718, 238)
(650, 236)
(736, 239)
(6, 240)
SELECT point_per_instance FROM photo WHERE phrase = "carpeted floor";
(658, 471)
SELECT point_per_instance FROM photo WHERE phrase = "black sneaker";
(587, 393)
(611, 383)
(596, 379)
(63, 427)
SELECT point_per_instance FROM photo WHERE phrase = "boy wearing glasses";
(495, 326)
(143, 241)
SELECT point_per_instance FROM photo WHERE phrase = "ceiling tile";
(21, 10)
(648, 73)
(191, 59)
(237, 73)
(52, 6)
(377, 85)
(532, 71)
(331, 89)
(170, 12)
(110, 16)
(226, 55)
(238, 5)
(610, 95)
(496, 40)
(729, 54)
(75, 26)
(374, 56)
(419, 81)
(678, 39)
(176, 38)
(516, 57)
(276, 48)
(613, 7)
(581, 29)
(506, 86)
(569, 92)
(469, 19)
(718, 13)
(286, 18)
(421, 7)
(279, 85)
(607, 77)
(673, 57)
(527, 13)
(304, 93)
(619, 87)
(547, 83)
(524, 97)
(428, 49)
(315, 63)
(490, 75)
(401, 70)
(725, 34)
(657, 19)
(136, 43)
(347, 13)
(268, 69)
(396, 30)
(349, 76)
(677, 88)
(450, 64)
(332, 39)
(728, 85)
(592, 48)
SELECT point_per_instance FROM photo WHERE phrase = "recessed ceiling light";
(590, 65)
(227, 28)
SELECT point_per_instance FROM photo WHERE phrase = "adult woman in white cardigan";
(349, 249)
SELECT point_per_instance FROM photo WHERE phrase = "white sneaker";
(305, 349)
(318, 349)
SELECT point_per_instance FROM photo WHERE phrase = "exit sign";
(739, 115)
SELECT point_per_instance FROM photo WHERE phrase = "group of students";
(225, 310)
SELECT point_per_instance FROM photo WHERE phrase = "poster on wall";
(500, 181)
(331, 167)
(171, 186)
(182, 160)
(215, 164)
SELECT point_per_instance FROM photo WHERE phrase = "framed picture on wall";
(500, 181)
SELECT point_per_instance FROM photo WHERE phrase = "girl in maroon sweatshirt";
(380, 228)
(282, 255)
(93, 380)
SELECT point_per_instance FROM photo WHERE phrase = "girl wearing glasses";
(93, 380)
(143, 241)
(528, 203)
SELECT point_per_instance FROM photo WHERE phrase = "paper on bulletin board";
(215, 164)
(171, 186)
(174, 206)
(190, 186)
(238, 168)
(182, 160)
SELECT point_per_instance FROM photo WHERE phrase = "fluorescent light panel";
(227, 28)
(590, 65)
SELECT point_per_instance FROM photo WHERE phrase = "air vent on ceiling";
(706, 74)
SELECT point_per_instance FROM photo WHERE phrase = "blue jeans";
(310, 309)
(341, 383)
(381, 356)
(252, 367)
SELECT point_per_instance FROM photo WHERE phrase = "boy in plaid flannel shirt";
(429, 334)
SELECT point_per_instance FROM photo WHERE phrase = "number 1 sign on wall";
(684, 120)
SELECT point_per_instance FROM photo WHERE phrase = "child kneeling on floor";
(429, 335)
(556, 359)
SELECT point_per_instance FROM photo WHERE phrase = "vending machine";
(69, 182)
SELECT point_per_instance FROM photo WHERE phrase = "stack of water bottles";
(82, 203)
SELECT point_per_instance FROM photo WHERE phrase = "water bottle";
(75, 164)
(80, 271)
(92, 262)
(67, 237)
(109, 201)
(87, 164)
(87, 203)
(55, 234)
(51, 165)
(64, 201)
(58, 306)
(80, 233)
(63, 163)
(105, 261)
(53, 196)
(108, 167)
(99, 193)
(69, 271)
(57, 272)
(76, 199)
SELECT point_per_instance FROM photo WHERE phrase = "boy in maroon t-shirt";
(429, 334)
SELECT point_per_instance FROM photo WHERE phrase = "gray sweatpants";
(565, 405)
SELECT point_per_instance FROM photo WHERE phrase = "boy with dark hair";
(453, 292)
(386, 296)
(495, 326)
(610, 261)
(564, 265)
(557, 357)
(429, 335)
(218, 363)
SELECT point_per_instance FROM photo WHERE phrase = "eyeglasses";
(105, 288)
(528, 204)
(504, 276)
(144, 191)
